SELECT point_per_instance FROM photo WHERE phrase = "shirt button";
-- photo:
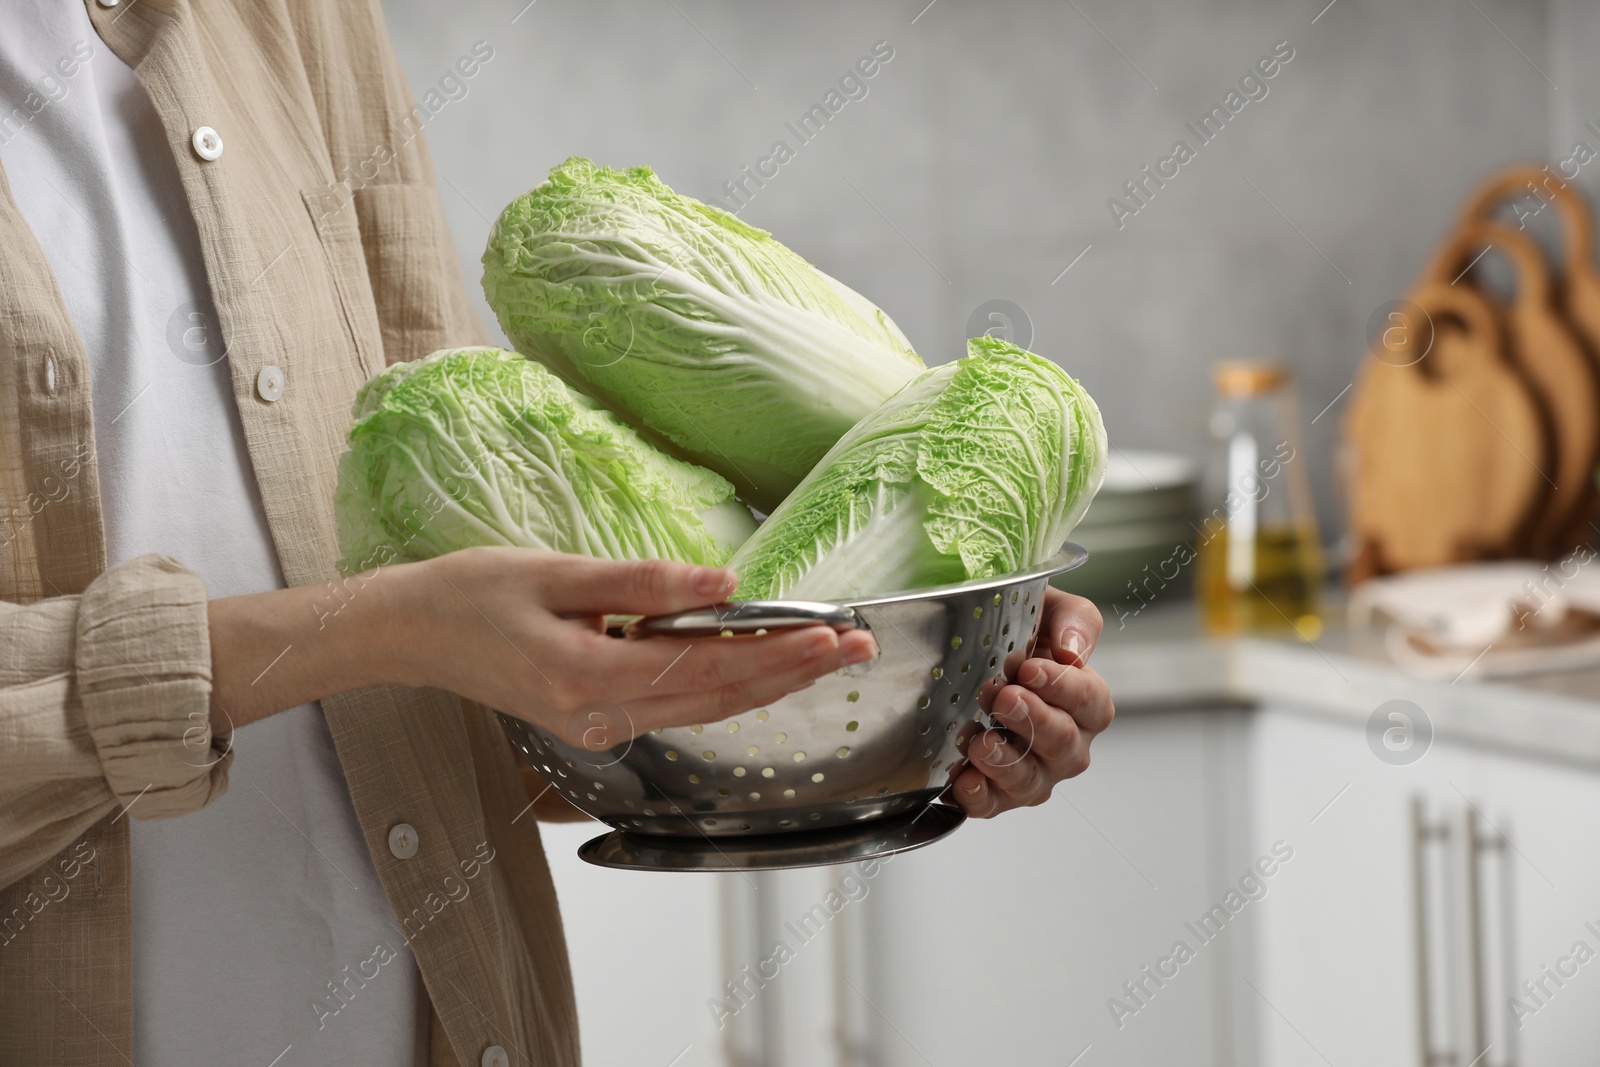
(495, 1056)
(403, 842)
(269, 383)
(207, 142)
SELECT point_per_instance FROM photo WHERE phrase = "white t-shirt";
(253, 917)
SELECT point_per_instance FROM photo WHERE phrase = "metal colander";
(872, 743)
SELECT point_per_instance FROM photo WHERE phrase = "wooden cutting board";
(1445, 435)
(1577, 286)
(1544, 346)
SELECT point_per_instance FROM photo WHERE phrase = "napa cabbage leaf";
(975, 469)
(480, 446)
(691, 324)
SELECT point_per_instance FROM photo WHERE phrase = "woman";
(219, 220)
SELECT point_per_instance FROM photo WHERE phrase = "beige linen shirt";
(328, 258)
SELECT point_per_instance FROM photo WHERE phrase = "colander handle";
(746, 617)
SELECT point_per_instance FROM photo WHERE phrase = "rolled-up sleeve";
(105, 704)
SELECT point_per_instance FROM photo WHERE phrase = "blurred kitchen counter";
(1160, 660)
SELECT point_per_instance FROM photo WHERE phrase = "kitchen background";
(975, 166)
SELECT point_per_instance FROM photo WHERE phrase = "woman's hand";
(1048, 719)
(518, 630)
(524, 632)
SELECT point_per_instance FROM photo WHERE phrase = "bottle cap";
(1247, 377)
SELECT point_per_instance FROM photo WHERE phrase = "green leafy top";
(689, 322)
(479, 446)
(977, 468)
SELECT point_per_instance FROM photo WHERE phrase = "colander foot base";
(774, 852)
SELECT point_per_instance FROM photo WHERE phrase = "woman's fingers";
(1049, 734)
(1072, 626)
(1081, 691)
(1041, 742)
(579, 585)
(685, 708)
(976, 795)
(660, 666)
(1015, 773)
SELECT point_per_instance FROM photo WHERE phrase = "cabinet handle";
(1422, 833)
(1479, 845)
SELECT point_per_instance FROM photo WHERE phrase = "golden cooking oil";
(1260, 561)
(1277, 591)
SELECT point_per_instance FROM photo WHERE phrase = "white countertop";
(1160, 661)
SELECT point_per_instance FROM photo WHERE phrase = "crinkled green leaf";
(690, 323)
(479, 446)
(977, 468)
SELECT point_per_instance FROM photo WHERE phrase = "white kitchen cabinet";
(1010, 941)
(1339, 956)
(1005, 943)
(1550, 814)
(1335, 968)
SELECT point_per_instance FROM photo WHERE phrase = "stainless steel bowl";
(870, 744)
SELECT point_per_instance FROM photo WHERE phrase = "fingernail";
(973, 788)
(820, 643)
(1032, 675)
(709, 581)
(1078, 647)
(858, 655)
(1011, 712)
